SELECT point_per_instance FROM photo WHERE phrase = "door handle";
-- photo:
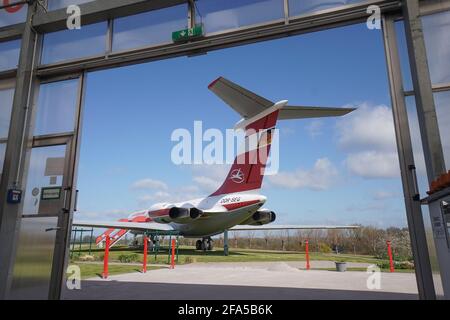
(66, 193)
(52, 229)
(412, 169)
(76, 200)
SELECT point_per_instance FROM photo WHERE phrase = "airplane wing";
(249, 104)
(287, 227)
(301, 112)
(143, 226)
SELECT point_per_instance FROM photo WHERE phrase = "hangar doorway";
(125, 160)
(100, 54)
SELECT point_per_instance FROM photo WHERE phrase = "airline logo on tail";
(237, 176)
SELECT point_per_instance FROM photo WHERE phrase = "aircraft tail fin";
(259, 117)
(247, 170)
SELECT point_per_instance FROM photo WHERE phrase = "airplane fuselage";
(219, 213)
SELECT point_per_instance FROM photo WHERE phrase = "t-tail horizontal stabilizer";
(249, 105)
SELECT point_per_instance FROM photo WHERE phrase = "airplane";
(236, 205)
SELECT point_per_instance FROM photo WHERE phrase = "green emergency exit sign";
(187, 34)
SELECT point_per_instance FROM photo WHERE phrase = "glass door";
(49, 195)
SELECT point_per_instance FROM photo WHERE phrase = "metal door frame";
(65, 215)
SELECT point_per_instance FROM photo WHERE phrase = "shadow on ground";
(106, 290)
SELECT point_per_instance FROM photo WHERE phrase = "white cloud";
(207, 183)
(373, 164)
(367, 128)
(368, 136)
(206, 179)
(320, 177)
(314, 129)
(209, 177)
(150, 184)
(172, 195)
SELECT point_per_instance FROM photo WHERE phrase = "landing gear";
(210, 245)
(204, 244)
(198, 245)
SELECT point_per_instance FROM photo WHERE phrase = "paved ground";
(250, 280)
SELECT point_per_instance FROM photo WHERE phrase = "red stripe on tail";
(247, 171)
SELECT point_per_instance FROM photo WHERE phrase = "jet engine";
(261, 217)
(195, 213)
(176, 213)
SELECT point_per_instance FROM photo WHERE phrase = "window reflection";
(6, 102)
(90, 40)
(56, 107)
(442, 102)
(416, 141)
(403, 55)
(436, 30)
(297, 7)
(225, 14)
(12, 15)
(58, 4)
(9, 54)
(148, 28)
(2, 158)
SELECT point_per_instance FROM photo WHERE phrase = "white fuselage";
(220, 212)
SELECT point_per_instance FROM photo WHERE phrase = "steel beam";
(426, 111)
(413, 208)
(298, 25)
(11, 32)
(430, 7)
(99, 10)
(10, 214)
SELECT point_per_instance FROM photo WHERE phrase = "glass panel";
(297, 7)
(90, 40)
(45, 170)
(225, 14)
(442, 102)
(403, 55)
(416, 141)
(12, 15)
(58, 4)
(2, 158)
(6, 102)
(148, 28)
(9, 54)
(56, 107)
(436, 29)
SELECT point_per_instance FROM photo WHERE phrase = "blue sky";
(331, 170)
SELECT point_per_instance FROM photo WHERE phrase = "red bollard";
(307, 254)
(172, 263)
(391, 262)
(144, 266)
(105, 259)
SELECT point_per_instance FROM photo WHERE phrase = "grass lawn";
(189, 255)
(90, 270)
(235, 255)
